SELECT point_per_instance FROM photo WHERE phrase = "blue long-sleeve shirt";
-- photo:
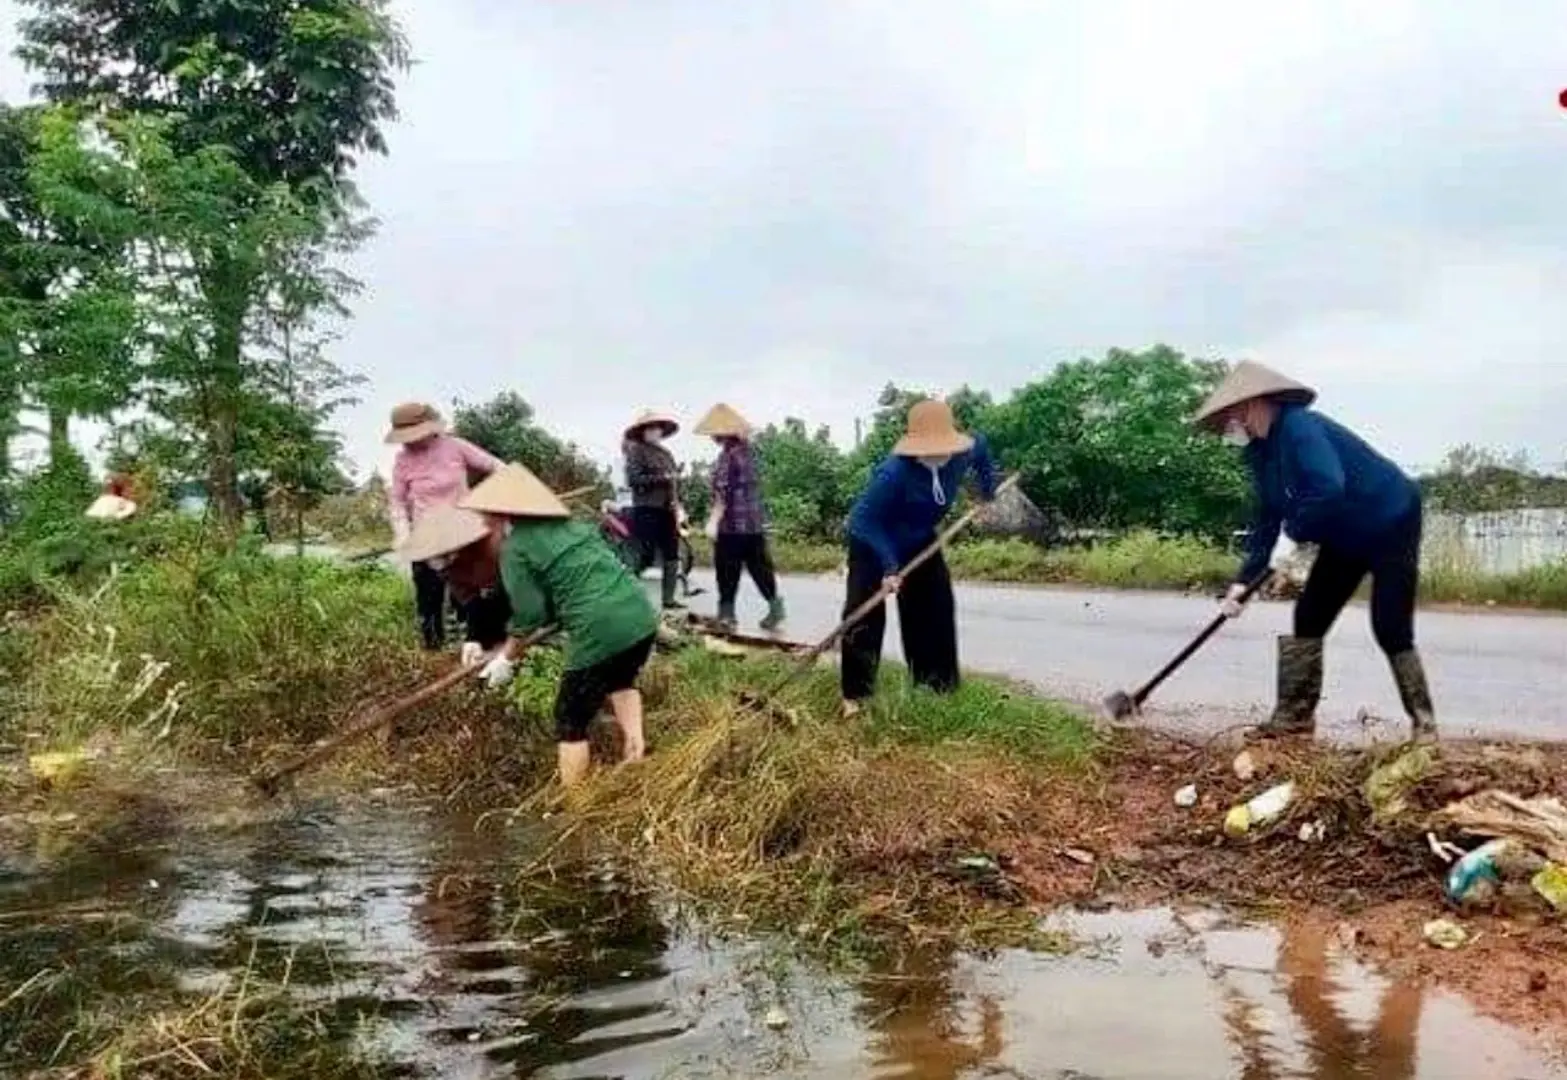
(1322, 484)
(898, 512)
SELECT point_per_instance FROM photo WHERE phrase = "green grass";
(1146, 560)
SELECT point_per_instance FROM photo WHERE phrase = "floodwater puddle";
(416, 919)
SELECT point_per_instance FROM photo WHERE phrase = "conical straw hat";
(1248, 381)
(722, 421)
(441, 531)
(515, 492)
(932, 432)
(413, 421)
(652, 418)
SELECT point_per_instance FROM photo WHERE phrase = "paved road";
(1491, 674)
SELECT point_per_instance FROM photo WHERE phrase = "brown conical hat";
(441, 531)
(515, 492)
(932, 432)
(412, 421)
(1248, 381)
(722, 421)
(652, 418)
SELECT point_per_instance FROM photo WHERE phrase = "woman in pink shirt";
(431, 470)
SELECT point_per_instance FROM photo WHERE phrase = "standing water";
(415, 919)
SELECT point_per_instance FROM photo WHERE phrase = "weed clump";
(862, 832)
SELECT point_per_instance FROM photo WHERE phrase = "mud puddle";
(415, 919)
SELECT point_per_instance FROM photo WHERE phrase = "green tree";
(67, 307)
(805, 480)
(207, 396)
(1472, 480)
(293, 93)
(505, 426)
(1108, 443)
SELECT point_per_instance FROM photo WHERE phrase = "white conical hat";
(1247, 381)
(723, 421)
(514, 491)
(442, 531)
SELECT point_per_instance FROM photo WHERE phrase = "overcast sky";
(605, 204)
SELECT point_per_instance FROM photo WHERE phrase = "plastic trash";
(1473, 868)
(58, 768)
(1186, 797)
(1444, 934)
(1245, 766)
(1261, 810)
(1551, 883)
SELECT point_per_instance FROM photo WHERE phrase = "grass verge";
(1145, 560)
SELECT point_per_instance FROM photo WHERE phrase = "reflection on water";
(418, 919)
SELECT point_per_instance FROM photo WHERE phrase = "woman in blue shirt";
(1319, 483)
(894, 519)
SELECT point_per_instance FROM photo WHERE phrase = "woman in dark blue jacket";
(1319, 483)
(893, 520)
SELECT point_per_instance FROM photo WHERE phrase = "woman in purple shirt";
(738, 525)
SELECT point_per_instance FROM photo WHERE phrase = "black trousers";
(927, 618)
(1395, 581)
(657, 536)
(733, 553)
(430, 602)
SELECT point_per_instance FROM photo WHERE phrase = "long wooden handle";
(387, 713)
(929, 552)
(1142, 692)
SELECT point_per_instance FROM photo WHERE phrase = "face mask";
(935, 462)
(1235, 433)
(654, 437)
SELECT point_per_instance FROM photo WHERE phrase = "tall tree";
(505, 426)
(67, 310)
(295, 91)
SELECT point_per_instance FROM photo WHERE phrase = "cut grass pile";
(852, 834)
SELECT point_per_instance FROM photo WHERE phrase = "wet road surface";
(417, 920)
(1491, 674)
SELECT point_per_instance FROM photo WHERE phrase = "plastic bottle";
(1260, 810)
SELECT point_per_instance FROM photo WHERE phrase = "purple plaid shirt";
(738, 490)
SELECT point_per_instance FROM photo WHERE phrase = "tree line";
(175, 204)
(1103, 444)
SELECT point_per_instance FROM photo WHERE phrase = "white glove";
(470, 654)
(710, 530)
(1284, 550)
(498, 672)
(1232, 605)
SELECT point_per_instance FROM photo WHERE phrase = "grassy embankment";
(176, 671)
(1148, 561)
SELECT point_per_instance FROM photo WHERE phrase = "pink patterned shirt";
(434, 474)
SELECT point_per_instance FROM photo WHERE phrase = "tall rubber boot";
(726, 618)
(776, 614)
(1409, 674)
(1299, 690)
(671, 585)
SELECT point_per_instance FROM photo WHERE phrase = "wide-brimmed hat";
(652, 418)
(723, 422)
(111, 507)
(932, 432)
(412, 421)
(441, 531)
(1248, 381)
(515, 492)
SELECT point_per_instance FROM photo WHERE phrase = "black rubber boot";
(1300, 688)
(726, 617)
(671, 585)
(1410, 676)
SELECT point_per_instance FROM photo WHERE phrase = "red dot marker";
(1561, 99)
